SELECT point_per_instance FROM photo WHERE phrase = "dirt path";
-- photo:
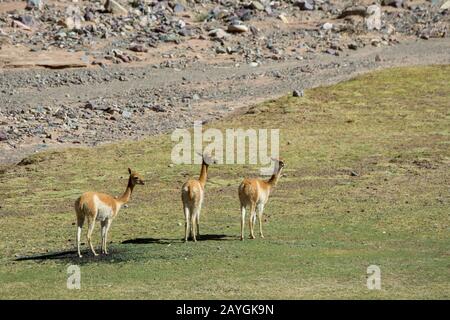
(44, 109)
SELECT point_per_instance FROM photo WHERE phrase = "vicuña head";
(254, 193)
(192, 194)
(96, 206)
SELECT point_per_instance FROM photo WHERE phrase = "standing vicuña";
(102, 207)
(254, 193)
(192, 194)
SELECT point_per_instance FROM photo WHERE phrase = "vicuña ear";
(274, 159)
(129, 170)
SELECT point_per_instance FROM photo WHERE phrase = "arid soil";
(53, 94)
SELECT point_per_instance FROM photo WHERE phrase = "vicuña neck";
(127, 194)
(272, 182)
(203, 174)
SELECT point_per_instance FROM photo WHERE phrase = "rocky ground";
(128, 69)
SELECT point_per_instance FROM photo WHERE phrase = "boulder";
(373, 18)
(445, 6)
(115, 7)
(35, 4)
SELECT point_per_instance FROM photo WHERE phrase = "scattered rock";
(305, 4)
(298, 93)
(20, 25)
(373, 17)
(218, 33)
(257, 5)
(283, 18)
(327, 26)
(35, 4)
(353, 46)
(114, 7)
(353, 11)
(392, 3)
(237, 28)
(178, 8)
(445, 6)
(138, 48)
(3, 136)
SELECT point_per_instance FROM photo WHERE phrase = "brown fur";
(90, 204)
(254, 193)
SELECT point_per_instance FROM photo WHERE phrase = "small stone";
(352, 46)
(35, 4)
(257, 5)
(237, 28)
(378, 58)
(89, 16)
(283, 18)
(221, 50)
(3, 136)
(392, 3)
(18, 24)
(327, 26)
(114, 7)
(138, 48)
(178, 8)
(126, 114)
(307, 5)
(158, 108)
(218, 34)
(353, 11)
(298, 93)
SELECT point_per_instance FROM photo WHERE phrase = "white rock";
(114, 7)
(373, 19)
(327, 26)
(283, 18)
(18, 24)
(446, 5)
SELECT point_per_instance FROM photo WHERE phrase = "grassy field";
(324, 226)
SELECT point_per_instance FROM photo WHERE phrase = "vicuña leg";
(80, 223)
(198, 223)
(89, 235)
(242, 221)
(103, 233)
(105, 239)
(252, 219)
(260, 213)
(186, 223)
(194, 225)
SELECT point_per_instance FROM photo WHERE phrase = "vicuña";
(254, 193)
(192, 194)
(96, 206)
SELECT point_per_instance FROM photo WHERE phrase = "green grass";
(323, 226)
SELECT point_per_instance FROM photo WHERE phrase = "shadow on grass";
(70, 256)
(116, 254)
(204, 237)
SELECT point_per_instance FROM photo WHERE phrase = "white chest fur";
(103, 210)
